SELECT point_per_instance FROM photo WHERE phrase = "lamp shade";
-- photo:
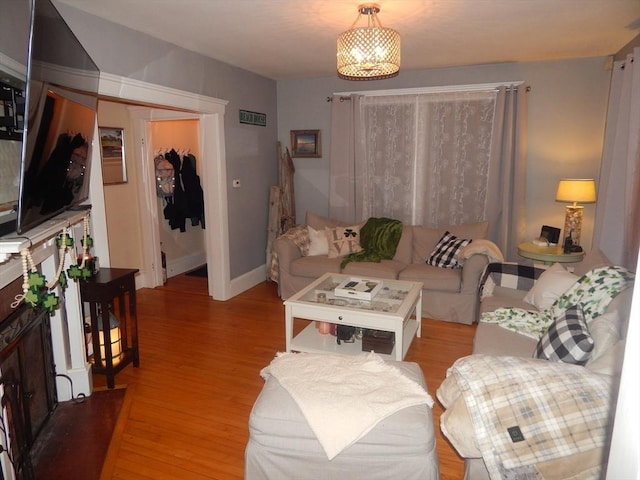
(576, 190)
(368, 53)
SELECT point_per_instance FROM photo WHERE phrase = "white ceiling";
(284, 39)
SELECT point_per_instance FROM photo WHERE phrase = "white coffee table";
(396, 308)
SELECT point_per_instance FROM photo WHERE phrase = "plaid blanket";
(526, 411)
(509, 275)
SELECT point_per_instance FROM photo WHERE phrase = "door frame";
(161, 104)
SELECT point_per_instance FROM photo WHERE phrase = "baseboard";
(248, 280)
(185, 264)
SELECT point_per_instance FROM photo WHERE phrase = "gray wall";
(14, 29)
(567, 110)
(251, 150)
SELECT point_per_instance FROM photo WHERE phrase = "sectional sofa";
(509, 286)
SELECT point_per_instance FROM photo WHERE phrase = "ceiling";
(288, 39)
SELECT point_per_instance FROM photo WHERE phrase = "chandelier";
(371, 52)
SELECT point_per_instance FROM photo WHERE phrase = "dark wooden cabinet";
(28, 381)
(110, 296)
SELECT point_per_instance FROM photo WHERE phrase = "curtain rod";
(450, 88)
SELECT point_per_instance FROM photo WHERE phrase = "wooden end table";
(112, 291)
(548, 255)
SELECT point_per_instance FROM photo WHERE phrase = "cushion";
(456, 425)
(550, 286)
(610, 362)
(425, 238)
(470, 230)
(604, 331)
(314, 267)
(383, 269)
(492, 339)
(343, 240)
(320, 223)
(433, 278)
(318, 242)
(593, 259)
(567, 339)
(446, 251)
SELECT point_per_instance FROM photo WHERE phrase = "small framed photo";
(114, 167)
(550, 234)
(305, 143)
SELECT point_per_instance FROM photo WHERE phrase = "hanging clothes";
(187, 200)
(193, 190)
(165, 177)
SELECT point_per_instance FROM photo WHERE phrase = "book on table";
(361, 288)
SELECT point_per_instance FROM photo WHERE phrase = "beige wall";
(121, 201)
(181, 135)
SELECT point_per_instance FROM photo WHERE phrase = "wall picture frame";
(306, 143)
(114, 166)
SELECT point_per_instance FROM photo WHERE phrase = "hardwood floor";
(199, 377)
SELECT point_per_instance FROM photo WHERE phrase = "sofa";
(448, 294)
(515, 288)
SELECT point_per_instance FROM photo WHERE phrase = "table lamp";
(575, 190)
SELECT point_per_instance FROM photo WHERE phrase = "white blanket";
(343, 397)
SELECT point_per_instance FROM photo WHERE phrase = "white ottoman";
(282, 445)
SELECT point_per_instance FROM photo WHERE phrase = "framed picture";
(550, 234)
(305, 143)
(114, 166)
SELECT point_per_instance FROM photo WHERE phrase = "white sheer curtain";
(617, 223)
(424, 159)
(431, 159)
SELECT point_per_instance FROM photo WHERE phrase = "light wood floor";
(189, 402)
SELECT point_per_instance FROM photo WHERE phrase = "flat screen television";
(59, 119)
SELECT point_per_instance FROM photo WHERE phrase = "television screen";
(60, 117)
(55, 170)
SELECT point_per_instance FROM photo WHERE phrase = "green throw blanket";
(379, 238)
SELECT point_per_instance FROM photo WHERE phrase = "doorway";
(180, 203)
(169, 104)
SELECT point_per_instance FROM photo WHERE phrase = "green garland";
(36, 291)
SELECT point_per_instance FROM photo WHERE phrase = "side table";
(548, 255)
(114, 327)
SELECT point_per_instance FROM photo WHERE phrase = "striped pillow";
(445, 254)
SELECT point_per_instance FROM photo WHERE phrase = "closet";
(181, 215)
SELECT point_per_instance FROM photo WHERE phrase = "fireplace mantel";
(12, 244)
(67, 324)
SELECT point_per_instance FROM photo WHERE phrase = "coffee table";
(397, 308)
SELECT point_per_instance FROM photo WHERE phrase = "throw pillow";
(604, 333)
(445, 254)
(567, 339)
(550, 286)
(320, 223)
(343, 240)
(318, 242)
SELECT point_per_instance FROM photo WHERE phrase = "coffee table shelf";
(396, 308)
(312, 341)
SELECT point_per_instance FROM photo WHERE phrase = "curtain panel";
(432, 159)
(617, 222)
